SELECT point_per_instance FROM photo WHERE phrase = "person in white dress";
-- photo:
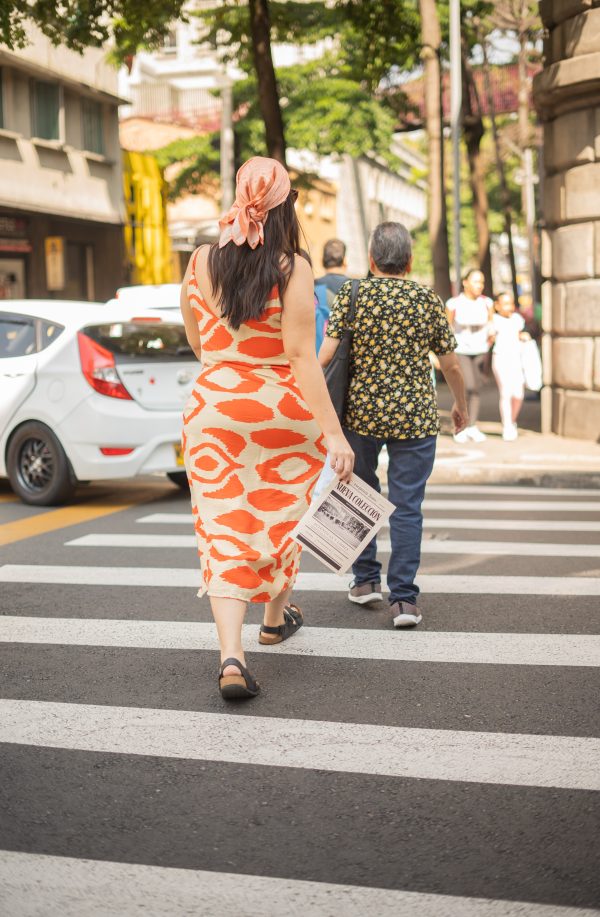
(470, 314)
(506, 362)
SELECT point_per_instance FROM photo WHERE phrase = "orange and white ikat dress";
(253, 454)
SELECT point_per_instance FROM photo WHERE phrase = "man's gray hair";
(391, 248)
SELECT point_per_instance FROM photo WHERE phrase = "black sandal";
(293, 621)
(233, 687)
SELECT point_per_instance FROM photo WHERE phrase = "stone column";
(567, 96)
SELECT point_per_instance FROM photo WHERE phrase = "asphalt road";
(453, 770)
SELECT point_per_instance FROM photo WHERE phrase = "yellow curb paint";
(69, 515)
(8, 498)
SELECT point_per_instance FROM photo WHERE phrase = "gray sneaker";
(365, 593)
(405, 615)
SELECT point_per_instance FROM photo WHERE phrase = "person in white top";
(470, 315)
(506, 362)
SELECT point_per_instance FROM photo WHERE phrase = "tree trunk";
(268, 95)
(473, 131)
(438, 222)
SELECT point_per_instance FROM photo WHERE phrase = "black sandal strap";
(294, 613)
(293, 618)
(251, 683)
(267, 629)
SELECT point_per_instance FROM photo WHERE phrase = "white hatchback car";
(89, 391)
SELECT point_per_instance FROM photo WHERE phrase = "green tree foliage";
(328, 104)
(123, 24)
(198, 157)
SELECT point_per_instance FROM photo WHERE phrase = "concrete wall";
(567, 95)
(57, 176)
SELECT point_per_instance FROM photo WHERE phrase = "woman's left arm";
(327, 350)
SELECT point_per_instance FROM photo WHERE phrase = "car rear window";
(130, 341)
(21, 335)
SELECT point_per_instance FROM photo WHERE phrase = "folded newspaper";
(342, 521)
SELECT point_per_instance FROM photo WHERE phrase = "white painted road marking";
(520, 506)
(419, 646)
(34, 884)
(189, 578)
(510, 548)
(564, 762)
(511, 525)
(501, 490)
(431, 522)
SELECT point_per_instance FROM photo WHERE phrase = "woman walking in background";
(506, 362)
(252, 427)
(470, 315)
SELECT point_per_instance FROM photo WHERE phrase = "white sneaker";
(475, 434)
(461, 437)
(509, 434)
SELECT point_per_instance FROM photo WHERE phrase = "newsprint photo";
(341, 522)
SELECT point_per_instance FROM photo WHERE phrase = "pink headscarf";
(261, 184)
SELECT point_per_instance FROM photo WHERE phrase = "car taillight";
(115, 450)
(98, 366)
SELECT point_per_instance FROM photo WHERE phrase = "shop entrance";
(12, 278)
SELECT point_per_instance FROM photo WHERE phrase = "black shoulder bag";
(337, 373)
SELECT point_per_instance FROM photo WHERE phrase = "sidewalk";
(534, 458)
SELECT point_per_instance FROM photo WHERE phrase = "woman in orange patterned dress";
(259, 423)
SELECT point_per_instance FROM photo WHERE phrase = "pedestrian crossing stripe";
(563, 762)
(59, 885)
(519, 506)
(347, 643)
(498, 490)
(431, 522)
(495, 548)
(189, 578)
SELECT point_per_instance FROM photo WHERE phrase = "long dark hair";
(243, 277)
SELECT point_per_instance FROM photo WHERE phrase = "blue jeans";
(410, 464)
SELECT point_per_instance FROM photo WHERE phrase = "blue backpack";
(323, 301)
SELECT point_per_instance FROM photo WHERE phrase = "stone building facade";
(567, 96)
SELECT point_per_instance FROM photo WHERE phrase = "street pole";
(528, 181)
(227, 163)
(455, 117)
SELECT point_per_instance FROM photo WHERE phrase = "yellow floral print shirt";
(397, 323)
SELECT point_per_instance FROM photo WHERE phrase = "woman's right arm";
(189, 319)
(298, 331)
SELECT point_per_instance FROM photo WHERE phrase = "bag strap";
(353, 298)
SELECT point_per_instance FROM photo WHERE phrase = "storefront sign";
(15, 245)
(55, 262)
(13, 226)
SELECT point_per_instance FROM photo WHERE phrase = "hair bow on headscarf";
(261, 184)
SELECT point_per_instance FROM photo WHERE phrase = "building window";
(45, 110)
(93, 132)
(170, 40)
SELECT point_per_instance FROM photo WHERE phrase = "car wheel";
(38, 469)
(179, 478)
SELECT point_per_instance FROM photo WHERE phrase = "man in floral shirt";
(392, 402)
